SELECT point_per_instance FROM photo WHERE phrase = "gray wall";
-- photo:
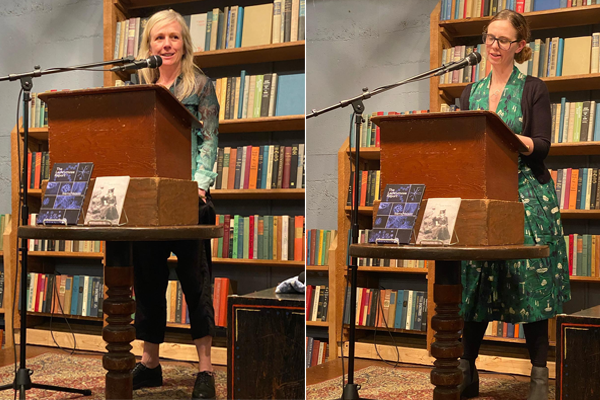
(49, 33)
(352, 44)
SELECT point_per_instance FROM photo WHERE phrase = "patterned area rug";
(87, 373)
(392, 384)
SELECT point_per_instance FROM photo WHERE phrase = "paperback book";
(397, 213)
(438, 221)
(107, 200)
(65, 194)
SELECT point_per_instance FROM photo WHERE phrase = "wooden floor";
(333, 369)
(7, 356)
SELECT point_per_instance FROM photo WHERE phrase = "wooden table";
(447, 295)
(118, 278)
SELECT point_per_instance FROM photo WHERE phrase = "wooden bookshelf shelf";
(393, 270)
(503, 339)
(79, 317)
(241, 261)
(253, 194)
(265, 124)
(580, 214)
(251, 55)
(589, 279)
(66, 254)
(372, 328)
(37, 133)
(34, 192)
(177, 325)
(1, 310)
(1, 253)
(317, 268)
(368, 153)
(585, 15)
(317, 323)
(574, 149)
(133, 4)
(555, 84)
(362, 210)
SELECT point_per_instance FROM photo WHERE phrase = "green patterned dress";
(519, 290)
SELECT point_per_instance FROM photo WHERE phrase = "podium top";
(178, 109)
(508, 136)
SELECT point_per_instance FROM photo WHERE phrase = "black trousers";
(194, 271)
(536, 339)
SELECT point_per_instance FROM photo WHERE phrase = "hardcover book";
(397, 213)
(65, 194)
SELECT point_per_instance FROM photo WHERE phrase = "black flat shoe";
(204, 388)
(146, 377)
(469, 387)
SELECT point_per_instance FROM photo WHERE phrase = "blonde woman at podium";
(166, 35)
(525, 292)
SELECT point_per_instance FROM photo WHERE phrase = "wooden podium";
(140, 131)
(472, 155)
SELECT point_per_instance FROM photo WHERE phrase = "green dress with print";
(519, 290)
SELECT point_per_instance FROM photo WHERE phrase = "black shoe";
(204, 388)
(146, 377)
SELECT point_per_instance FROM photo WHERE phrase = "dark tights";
(536, 337)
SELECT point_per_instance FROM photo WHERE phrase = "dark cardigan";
(537, 123)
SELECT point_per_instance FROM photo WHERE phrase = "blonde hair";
(523, 32)
(188, 68)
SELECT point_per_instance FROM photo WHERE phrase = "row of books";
(265, 95)
(363, 237)
(461, 9)
(317, 351)
(260, 167)
(38, 168)
(81, 295)
(177, 309)
(577, 188)
(268, 237)
(387, 308)
(369, 188)
(232, 27)
(38, 112)
(317, 302)
(83, 246)
(550, 57)
(369, 133)
(516, 331)
(317, 246)
(584, 255)
(575, 121)
(4, 223)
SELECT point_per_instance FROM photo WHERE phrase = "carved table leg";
(447, 294)
(118, 333)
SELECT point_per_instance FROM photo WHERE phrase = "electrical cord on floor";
(380, 306)
(55, 294)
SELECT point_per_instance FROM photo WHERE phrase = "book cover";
(65, 194)
(106, 203)
(290, 94)
(257, 28)
(397, 213)
(438, 220)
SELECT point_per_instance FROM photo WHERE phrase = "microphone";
(150, 62)
(472, 59)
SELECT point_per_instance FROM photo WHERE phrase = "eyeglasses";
(503, 42)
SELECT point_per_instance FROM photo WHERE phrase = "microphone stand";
(350, 391)
(22, 381)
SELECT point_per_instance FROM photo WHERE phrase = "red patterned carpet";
(87, 373)
(393, 384)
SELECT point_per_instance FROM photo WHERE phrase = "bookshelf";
(274, 202)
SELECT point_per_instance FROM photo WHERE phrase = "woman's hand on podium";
(202, 194)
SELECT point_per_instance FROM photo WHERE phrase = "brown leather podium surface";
(447, 294)
(118, 278)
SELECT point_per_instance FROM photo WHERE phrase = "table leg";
(447, 294)
(119, 332)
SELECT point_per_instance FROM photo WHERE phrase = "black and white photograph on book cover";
(439, 219)
(106, 203)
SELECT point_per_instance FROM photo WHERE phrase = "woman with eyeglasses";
(525, 292)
